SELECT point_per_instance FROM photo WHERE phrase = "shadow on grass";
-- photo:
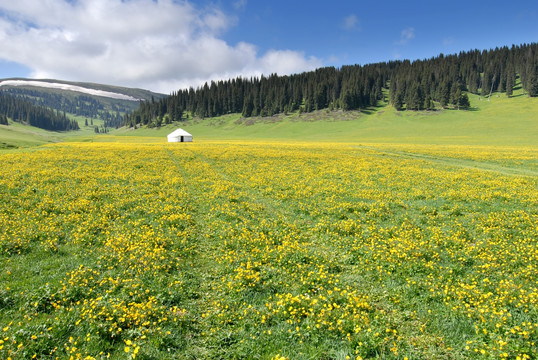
(470, 108)
(518, 95)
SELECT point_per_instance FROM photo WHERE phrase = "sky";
(167, 45)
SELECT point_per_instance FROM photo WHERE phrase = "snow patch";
(79, 89)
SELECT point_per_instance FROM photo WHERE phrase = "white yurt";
(179, 135)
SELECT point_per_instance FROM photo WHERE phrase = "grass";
(270, 250)
(16, 135)
(497, 121)
(311, 236)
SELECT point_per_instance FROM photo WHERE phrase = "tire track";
(461, 163)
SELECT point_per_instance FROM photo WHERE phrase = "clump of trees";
(442, 81)
(3, 120)
(23, 111)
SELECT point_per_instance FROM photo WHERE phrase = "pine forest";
(439, 82)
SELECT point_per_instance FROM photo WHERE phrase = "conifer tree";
(510, 79)
(455, 95)
(532, 75)
(444, 94)
(464, 102)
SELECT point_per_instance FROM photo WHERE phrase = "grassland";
(497, 121)
(270, 250)
(370, 234)
(15, 135)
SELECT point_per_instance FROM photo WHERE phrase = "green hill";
(495, 121)
(133, 92)
(89, 104)
(19, 136)
(498, 120)
(80, 101)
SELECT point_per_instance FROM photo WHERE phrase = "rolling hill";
(69, 88)
(92, 105)
(475, 97)
(497, 121)
(88, 100)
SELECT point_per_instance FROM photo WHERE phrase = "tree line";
(25, 112)
(439, 82)
(80, 105)
(443, 80)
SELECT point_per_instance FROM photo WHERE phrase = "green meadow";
(370, 234)
(495, 121)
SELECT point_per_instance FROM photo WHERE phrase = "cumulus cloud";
(159, 45)
(406, 35)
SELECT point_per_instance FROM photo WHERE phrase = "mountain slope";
(88, 100)
(70, 86)
(497, 121)
(91, 105)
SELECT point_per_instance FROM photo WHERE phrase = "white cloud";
(159, 45)
(350, 22)
(240, 4)
(406, 35)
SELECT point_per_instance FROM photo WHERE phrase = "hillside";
(497, 121)
(91, 105)
(86, 100)
(431, 84)
(42, 84)
(475, 97)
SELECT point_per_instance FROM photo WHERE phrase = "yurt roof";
(179, 132)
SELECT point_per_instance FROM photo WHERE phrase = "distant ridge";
(69, 87)
(87, 100)
(136, 93)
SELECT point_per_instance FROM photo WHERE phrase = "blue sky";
(370, 31)
(165, 45)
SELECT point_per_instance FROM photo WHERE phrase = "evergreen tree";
(428, 103)
(510, 79)
(532, 74)
(348, 102)
(413, 85)
(398, 101)
(23, 111)
(464, 102)
(455, 95)
(248, 107)
(444, 94)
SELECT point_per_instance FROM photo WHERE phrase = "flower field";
(220, 250)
